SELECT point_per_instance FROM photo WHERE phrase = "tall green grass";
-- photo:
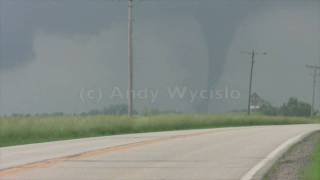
(312, 172)
(24, 130)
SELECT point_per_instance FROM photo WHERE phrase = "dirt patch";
(290, 165)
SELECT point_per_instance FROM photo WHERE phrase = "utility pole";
(253, 54)
(130, 57)
(315, 74)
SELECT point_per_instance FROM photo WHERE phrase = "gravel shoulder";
(290, 166)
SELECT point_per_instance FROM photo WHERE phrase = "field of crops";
(24, 130)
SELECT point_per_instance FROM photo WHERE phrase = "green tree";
(294, 107)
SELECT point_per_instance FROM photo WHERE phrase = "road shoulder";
(292, 163)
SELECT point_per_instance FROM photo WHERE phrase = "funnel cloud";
(55, 53)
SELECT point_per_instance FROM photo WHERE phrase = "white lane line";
(266, 163)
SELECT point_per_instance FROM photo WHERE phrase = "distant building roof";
(257, 101)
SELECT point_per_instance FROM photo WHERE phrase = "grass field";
(24, 130)
(312, 172)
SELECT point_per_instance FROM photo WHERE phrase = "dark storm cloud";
(21, 19)
(188, 43)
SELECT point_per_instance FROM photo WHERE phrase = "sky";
(71, 56)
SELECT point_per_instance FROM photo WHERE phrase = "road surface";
(211, 154)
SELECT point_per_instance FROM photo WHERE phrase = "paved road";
(212, 154)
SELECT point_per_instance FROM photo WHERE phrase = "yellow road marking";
(47, 163)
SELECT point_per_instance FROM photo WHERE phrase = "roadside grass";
(25, 130)
(312, 172)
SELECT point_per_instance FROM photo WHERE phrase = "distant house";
(257, 102)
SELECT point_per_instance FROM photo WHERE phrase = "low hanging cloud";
(63, 65)
(52, 51)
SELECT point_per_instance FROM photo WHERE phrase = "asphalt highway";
(210, 154)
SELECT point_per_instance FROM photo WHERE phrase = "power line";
(253, 54)
(315, 73)
(130, 57)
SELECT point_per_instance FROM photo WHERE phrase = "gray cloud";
(52, 49)
(20, 20)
